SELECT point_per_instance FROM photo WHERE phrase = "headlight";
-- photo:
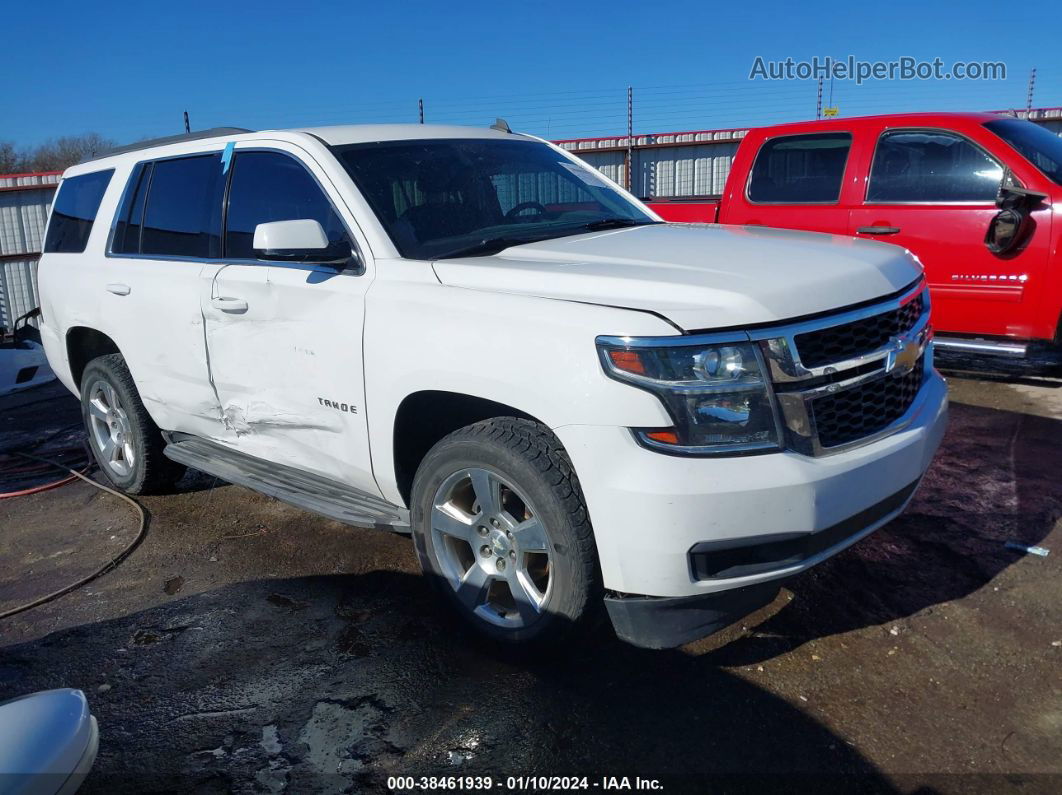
(717, 395)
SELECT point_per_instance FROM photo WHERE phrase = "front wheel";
(501, 529)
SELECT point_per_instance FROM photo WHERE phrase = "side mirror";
(1010, 226)
(1006, 230)
(301, 240)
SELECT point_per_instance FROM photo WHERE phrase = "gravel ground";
(248, 646)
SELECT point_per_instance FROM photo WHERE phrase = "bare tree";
(10, 160)
(60, 153)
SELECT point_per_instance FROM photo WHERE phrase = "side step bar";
(999, 357)
(978, 346)
(301, 489)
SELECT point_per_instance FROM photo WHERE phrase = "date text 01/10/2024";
(522, 783)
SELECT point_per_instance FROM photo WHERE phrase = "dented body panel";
(274, 366)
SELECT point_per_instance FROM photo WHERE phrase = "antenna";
(187, 127)
(420, 105)
(501, 125)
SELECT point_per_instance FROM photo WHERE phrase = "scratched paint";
(263, 417)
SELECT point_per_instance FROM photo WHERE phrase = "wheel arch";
(83, 344)
(426, 416)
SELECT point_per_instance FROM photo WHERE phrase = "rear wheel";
(501, 529)
(126, 443)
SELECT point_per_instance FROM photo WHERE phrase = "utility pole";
(420, 104)
(630, 135)
(818, 102)
(1029, 97)
(187, 126)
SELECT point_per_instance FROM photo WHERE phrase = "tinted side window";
(74, 211)
(270, 186)
(183, 213)
(131, 213)
(928, 166)
(795, 169)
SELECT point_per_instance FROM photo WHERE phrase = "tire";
(532, 576)
(125, 442)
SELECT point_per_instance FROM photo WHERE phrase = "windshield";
(1039, 146)
(465, 197)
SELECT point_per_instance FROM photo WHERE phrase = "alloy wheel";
(492, 547)
(111, 429)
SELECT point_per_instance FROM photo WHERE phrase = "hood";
(699, 276)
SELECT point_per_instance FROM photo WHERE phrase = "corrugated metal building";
(664, 164)
(25, 200)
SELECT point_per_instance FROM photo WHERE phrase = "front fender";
(535, 354)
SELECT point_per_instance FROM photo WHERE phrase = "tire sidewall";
(103, 370)
(564, 602)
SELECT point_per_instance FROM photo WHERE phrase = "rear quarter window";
(74, 211)
(130, 217)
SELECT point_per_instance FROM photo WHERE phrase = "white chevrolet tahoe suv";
(471, 336)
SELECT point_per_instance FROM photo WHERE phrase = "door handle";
(118, 289)
(236, 305)
(878, 230)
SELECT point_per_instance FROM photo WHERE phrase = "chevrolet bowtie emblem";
(903, 356)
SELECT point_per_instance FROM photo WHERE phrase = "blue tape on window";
(226, 156)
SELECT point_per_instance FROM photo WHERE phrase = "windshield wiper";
(485, 247)
(492, 245)
(615, 223)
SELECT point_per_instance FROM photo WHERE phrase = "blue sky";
(129, 70)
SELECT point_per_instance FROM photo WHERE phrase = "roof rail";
(214, 132)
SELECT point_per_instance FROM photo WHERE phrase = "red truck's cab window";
(800, 169)
(931, 166)
(795, 182)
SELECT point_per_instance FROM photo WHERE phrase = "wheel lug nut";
(482, 530)
(509, 533)
(501, 564)
(484, 551)
(512, 554)
(495, 522)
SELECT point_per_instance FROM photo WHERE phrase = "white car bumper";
(669, 526)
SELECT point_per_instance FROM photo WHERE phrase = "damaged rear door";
(284, 339)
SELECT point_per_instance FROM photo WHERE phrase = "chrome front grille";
(837, 343)
(851, 378)
(853, 414)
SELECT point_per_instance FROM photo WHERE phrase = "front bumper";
(654, 514)
(665, 622)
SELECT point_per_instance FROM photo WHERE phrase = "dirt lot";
(248, 646)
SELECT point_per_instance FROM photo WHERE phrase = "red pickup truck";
(970, 194)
